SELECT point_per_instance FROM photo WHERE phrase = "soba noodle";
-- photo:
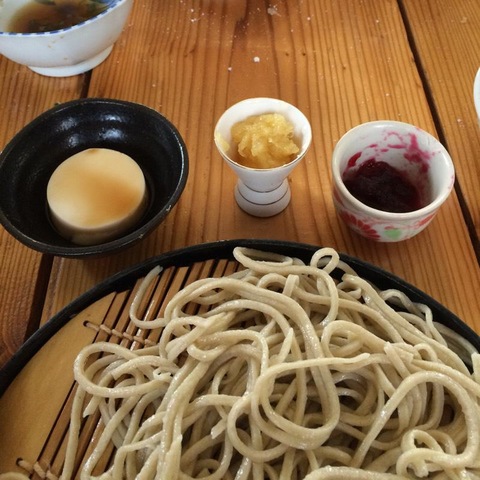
(280, 372)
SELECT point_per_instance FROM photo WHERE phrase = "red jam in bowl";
(383, 187)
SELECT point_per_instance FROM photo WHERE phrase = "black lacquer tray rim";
(217, 250)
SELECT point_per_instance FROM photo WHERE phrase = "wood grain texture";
(341, 63)
(446, 36)
(23, 96)
(50, 391)
(38, 448)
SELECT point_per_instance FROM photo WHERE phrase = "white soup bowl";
(65, 52)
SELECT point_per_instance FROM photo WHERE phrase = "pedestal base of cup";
(70, 70)
(262, 204)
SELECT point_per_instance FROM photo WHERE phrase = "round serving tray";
(37, 385)
(216, 251)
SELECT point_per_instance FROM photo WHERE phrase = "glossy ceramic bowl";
(30, 158)
(262, 192)
(476, 94)
(65, 52)
(418, 158)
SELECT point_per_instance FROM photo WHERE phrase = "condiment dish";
(262, 192)
(30, 158)
(389, 179)
(67, 51)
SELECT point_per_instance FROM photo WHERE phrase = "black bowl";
(30, 158)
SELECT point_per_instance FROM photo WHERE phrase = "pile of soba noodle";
(283, 373)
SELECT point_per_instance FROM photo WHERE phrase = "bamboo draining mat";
(35, 409)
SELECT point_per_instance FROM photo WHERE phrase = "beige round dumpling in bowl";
(133, 134)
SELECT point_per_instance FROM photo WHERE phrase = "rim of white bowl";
(273, 101)
(60, 30)
(382, 214)
(476, 93)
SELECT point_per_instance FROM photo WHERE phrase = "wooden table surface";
(341, 62)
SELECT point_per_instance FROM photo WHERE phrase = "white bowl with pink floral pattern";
(414, 155)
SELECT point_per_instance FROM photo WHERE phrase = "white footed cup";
(261, 192)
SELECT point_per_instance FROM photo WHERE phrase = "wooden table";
(341, 62)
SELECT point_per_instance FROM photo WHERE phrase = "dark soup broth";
(48, 15)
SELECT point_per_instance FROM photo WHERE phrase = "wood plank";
(446, 37)
(341, 63)
(23, 96)
(50, 390)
